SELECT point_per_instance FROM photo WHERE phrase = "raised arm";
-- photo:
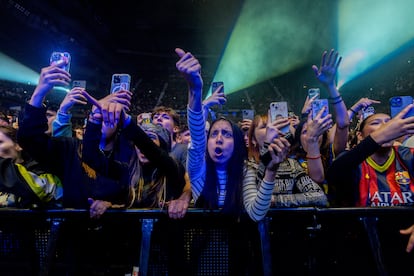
(190, 69)
(326, 75)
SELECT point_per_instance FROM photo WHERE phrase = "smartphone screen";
(215, 85)
(317, 105)
(120, 82)
(398, 103)
(61, 57)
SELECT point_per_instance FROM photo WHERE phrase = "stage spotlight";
(369, 31)
(14, 71)
(271, 38)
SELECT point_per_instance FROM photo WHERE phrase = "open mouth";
(218, 151)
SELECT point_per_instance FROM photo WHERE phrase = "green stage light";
(369, 31)
(14, 71)
(271, 38)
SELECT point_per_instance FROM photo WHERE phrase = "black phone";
(215, 85)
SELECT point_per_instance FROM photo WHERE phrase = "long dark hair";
(233, 203)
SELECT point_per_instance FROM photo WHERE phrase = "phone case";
(216, 84)
(317, 105)
(120, 82)
(314, 91)
(79, 83)
(57, 57)
(248, 114)
(398, 103)
(367, 111)
(279, 110)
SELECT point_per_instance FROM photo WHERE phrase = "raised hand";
(190, 68)
(395, 127)
(75, 96)
(329, 66)
(113, 106)
(216, 98)
(50, 77)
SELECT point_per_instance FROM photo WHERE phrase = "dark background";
(139, 38)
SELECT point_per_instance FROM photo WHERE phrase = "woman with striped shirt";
(215, 162)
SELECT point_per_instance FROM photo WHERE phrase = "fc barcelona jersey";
(390, 184)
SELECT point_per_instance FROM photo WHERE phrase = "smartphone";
(312, 92)
(215, 85)
(279, 110)
(367, 111)
(248, 114)
(120, 82)
(79, 83)
(317, 105)
(398, 103)
(61, 58)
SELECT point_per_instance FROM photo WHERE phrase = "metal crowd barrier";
(289, 241)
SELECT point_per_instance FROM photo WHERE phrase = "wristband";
(334, 99)
(337, 102)
(353, 111)
(313, 157)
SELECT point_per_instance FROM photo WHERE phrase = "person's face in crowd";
(50, 115)
(372, 123)
(8, 148)
(154, 137)
(79, 133)
(246, 136)
(165, 120)
(184, 137)
(220, 142)
(304, 136)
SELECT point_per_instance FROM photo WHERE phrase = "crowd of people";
(118, 159)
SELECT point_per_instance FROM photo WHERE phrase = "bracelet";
(353, 111)
(313, 157)
(337, 102)
(334, 98)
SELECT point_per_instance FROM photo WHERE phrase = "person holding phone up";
(60, 155)
(377, 173)
(316, 141)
